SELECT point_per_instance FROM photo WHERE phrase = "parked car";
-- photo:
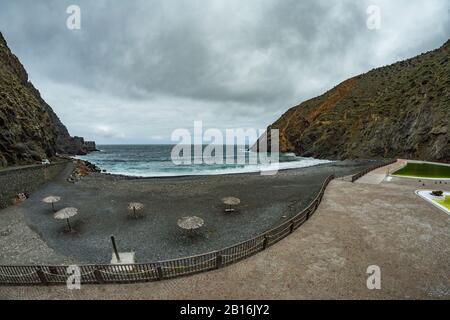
(45, 162)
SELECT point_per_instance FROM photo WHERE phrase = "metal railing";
(366, 171)
(153, 271)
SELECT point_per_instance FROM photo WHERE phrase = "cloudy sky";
(137, 70)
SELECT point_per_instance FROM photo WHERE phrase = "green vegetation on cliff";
(401, 110)
(29, 129)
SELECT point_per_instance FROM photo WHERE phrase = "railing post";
(41, 276)
(265, 242)
(98, 276)
(219, 261)
(53, 270)
(159, 271)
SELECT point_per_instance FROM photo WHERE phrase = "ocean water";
(156, 161)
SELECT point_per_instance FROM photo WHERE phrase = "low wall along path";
(98, 274)
(26, 180)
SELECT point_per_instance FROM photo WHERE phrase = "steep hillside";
(401, 110)
(29, 129)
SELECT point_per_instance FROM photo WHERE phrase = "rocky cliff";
(29, 129)
(401, 110)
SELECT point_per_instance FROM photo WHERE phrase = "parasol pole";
(113, 240)
(68, 224)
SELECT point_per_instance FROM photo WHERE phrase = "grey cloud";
(230, 63)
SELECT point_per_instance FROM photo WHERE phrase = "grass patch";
(445, 202)
(424, 170)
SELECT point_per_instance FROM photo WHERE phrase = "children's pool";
(441, 202)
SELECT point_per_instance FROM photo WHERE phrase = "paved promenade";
(357, 225)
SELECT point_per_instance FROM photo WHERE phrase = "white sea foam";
(154, 161)
(246, 169)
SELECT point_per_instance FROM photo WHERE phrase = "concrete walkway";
(379, 175)
(357, 225)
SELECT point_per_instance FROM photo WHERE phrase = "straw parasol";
(135, 206)
(52, 200)
(231, 201)
(66, 213)
(190, 223)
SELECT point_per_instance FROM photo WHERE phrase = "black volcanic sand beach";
(102, 201)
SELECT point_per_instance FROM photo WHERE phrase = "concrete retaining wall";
(25, 180)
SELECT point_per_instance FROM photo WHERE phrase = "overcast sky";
(137, 70)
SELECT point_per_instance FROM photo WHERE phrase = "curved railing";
(366, 171)
(128, 273)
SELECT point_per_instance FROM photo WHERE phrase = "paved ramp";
(379, 175)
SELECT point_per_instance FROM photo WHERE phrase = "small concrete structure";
(121, 258)
(125, 258)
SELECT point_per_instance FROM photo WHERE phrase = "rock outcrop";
(400, 110)
(82, 168)
(29, 129)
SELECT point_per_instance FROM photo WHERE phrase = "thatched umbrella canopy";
(66, 213)
(135, 206)
(52, 200)
(190, 223)
(230, 201)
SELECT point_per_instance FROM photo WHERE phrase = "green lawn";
(424, 170)
(445, 202)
